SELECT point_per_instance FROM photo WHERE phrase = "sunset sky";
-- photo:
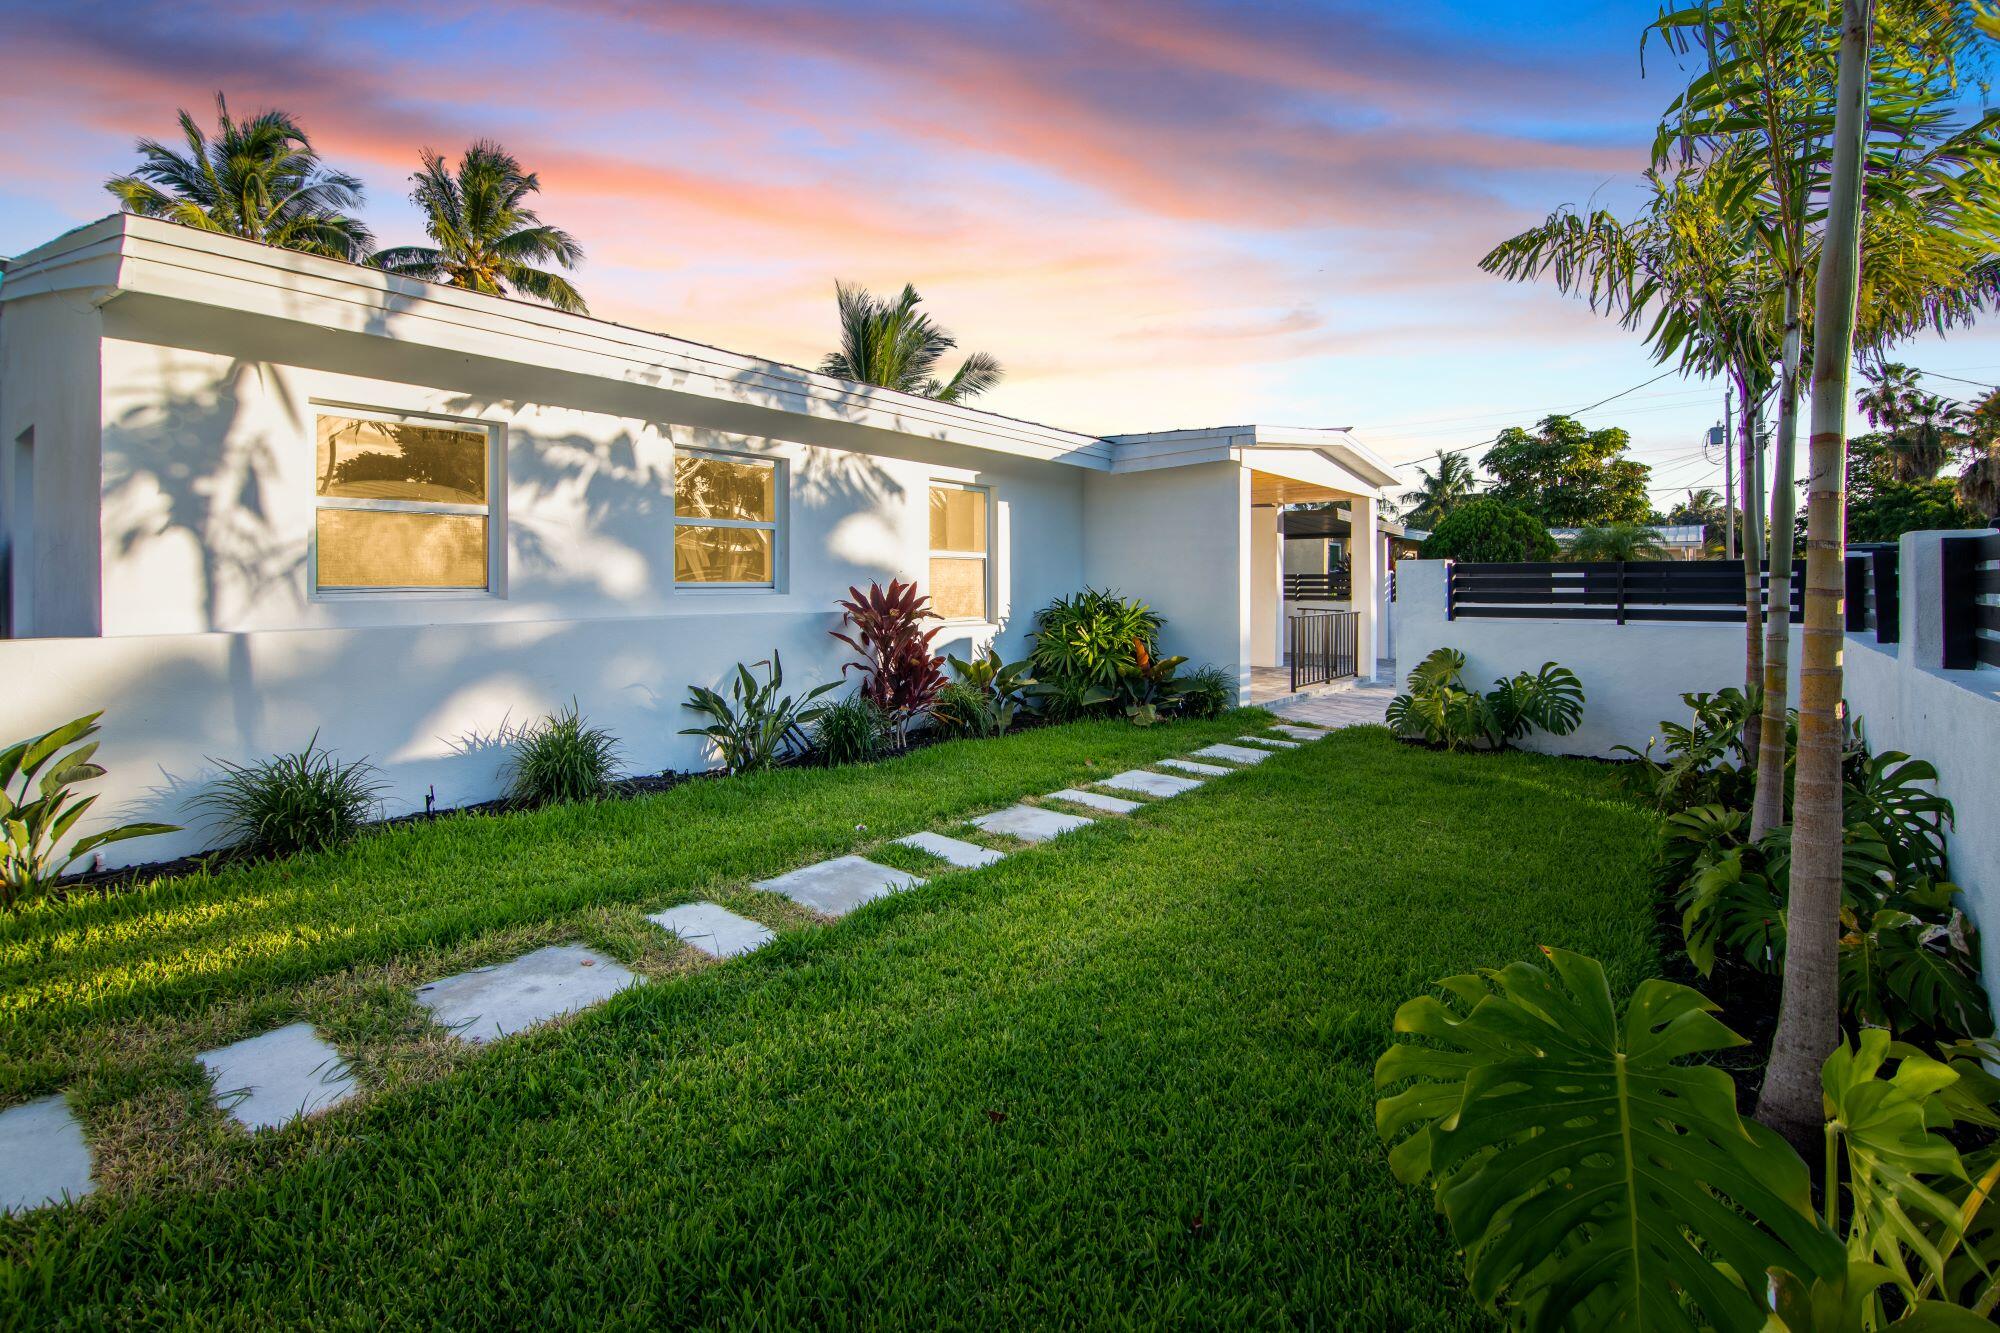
(1156, 215)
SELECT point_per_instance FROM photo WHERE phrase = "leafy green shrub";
(1697, 769)
(756, 726)
(1068, 698)
(1485, 531)
(290, 803)
(1148, 687)
(852, 731)
(561, 758)
(1207, 692)
(985, 699)
(1091, 637)
(36, 816)
(1438, 706)
(963, 709)
(1593, 1178)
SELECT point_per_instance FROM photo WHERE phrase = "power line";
(1576, 411)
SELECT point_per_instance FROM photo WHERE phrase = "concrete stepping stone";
(1190, 766)
(1030, 823)
(1096, 800)
(1266, 740)
(43, 1157)
(488, 1003)
(965, 855)
(1235, 754)
(837, 887)
(713, 929)
(1150, 784)
(1301, 733)
(273, 1079)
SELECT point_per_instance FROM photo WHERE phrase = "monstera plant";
(1596, 1173)
(1440, 708)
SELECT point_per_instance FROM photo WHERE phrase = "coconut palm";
(1923, 429)
(259, 179)
(1617, 541)
(486, 239)
(893, 345)
(1438, 493)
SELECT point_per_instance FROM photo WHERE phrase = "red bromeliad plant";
(901, 673)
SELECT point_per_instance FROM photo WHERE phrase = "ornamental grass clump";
(852, 731)
(561, 758)
(290, 803)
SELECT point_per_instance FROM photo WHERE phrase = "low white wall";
(1633, 676)
(420, 703)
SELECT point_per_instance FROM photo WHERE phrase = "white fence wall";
(1634, 674)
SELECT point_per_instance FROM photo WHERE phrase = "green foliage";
(894, 345)
(755, 726)
(900, 672)
(1487, 531)
(1707, 758)
(38, 813)
(1091, 637)
(1148, 687)
(1617, 541)
(304, 802)
(1070, 698)
(986, 698)
(1883, 503)
(852, 731)
(1595, 1179)
(1568, 476)
(1207, 692)
(561, 758)
(485, 237)
(1587, 1172)
(1439, 707)
(1438, 493)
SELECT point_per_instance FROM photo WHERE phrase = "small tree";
(1485, 531)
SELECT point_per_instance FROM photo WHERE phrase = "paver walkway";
(1096, 800)
(1235, 754)
(488, 1003)
(837, 887)
(957, 851)
(1149, 784)
(1363, 705)
(43, 1156)
(274, 1078)
(713, 929)
(1271, 741)
(1190, 766)
(1030, 823)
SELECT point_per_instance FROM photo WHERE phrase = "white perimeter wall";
(1633, 676)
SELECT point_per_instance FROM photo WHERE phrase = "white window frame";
(775, 525)
(986, 556)
(493, 511)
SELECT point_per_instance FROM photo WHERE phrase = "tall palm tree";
(486, 239)
(1440, 492)
(259, 178)
(893, 345)
(1923, 429)
(1892, 388)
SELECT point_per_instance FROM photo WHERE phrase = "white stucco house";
(247, 495)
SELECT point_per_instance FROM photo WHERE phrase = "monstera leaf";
(1734, 907)
(1551, 699)
(1592, 1179)
(1884, 792)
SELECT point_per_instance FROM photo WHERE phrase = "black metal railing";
(1320, 645)
(1874, 602)
(1337, 586)
(1615, 590)
(1971, 602)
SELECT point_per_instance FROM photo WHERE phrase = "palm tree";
(259, 179)
(1439, 492)
(486, 241)
(1923, 429)
(1979, 484)
(1892, 387)
(895, 346)
(1617, 541)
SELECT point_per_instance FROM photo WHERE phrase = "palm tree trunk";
(1809, 1012)
(1768, 810)
(1753, 547)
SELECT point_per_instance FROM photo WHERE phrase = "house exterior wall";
(1633, 676)
(49, 378)
(1178, 537)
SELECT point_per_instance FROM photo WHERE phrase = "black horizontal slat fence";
(1330, 587)
(1615, 590)
(1971, 602)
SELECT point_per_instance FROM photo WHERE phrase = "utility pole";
(1728, 476)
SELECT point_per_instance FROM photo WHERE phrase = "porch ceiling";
(1270, 488)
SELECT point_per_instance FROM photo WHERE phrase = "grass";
(1124, 1078)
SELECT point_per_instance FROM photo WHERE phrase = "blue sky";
(1157, 215)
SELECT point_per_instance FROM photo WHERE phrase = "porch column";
(1267, 588)
(1364, 555)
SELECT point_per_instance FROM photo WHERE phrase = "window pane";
(386, 460)
(958, 519)
(958, 588)
(725, 488)
(721, 555)
(369, 548)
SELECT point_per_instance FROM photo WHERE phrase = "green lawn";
(1119, 1079)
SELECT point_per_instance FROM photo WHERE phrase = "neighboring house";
(250, 494)
(1683, 541)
